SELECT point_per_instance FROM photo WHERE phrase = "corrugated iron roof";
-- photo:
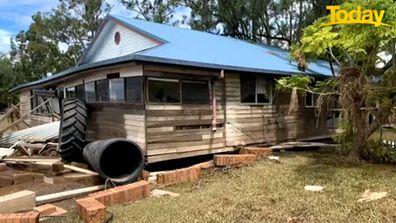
(188, 47)
(40, 133)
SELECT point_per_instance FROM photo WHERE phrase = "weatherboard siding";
(250, 124)
(105, 48)
(111, 120)
(176, 131)
(100, 74)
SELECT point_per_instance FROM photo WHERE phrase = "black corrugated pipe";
(118, 159)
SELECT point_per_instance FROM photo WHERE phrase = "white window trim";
(255, 95)
(313, 101)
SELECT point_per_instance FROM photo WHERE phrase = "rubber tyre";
(73, 126)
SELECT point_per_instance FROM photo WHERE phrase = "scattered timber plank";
(67, 194)
(301, 145)
(23, 117)
(80, 170)
(162, 193)
(19, 201)
(26, 159)
(50, 162)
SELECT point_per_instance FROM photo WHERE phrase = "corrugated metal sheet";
(41, 133)
(193, 48)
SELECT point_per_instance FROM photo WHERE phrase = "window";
(71, 92)
(311, 100)
(80, 93)
(164, 91)
(195, 92)
(102, 90)
(90, 92)
(256, 90)
(248, 89)
(133, 92)
(117, 89)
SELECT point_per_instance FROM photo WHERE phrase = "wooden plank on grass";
(67, 194)
(19, 201)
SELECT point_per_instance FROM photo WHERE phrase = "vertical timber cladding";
(249, 124)
(113, 119)
(180, 130)
(24, 100)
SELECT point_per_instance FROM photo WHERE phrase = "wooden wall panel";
(250, 124)
(175, 131)
(24, 100)
(116, 121)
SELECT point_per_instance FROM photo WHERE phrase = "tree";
(362, 86)
(56, 40)
(278, 23)
(8, 80)
(160, 11)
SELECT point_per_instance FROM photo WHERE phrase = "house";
(179, 92)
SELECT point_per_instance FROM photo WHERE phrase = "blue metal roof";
(201, 49)
(206, 48)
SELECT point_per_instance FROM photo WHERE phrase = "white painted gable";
(105, 47)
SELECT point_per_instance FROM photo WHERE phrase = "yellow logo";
(357, 16)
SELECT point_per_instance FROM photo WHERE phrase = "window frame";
(85, 92)
(141, 79)
(203, 82)
(180, 82)
(163, 80)
(271, 97)
(314, 102)
(123, 92)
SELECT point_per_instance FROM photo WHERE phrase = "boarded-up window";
(102, 90)
(117, 89)
(133, 89)
(256, 90)
(90, 92)
(80, 93)
(164, 91)
(195, 92)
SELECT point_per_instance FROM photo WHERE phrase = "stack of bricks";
(28, 217)
(123, 194)
(234, 160)
(91, 210)
(189, 174)
(258, 151)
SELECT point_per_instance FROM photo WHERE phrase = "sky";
(16, 15)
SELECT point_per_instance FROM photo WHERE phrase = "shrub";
(378, 152)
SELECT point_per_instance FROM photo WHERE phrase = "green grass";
(274, 192)
(387, 133)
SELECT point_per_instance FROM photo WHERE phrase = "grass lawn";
(273, 192)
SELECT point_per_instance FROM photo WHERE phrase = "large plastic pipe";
(119, 160)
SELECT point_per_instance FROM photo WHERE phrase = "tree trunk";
(359, 142)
